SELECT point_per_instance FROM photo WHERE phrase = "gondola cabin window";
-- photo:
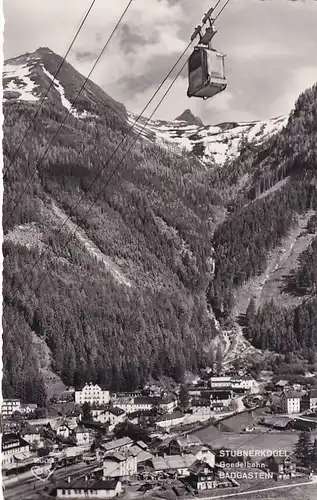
(197, 70)
(215, 64)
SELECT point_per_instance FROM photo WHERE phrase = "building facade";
(92, 394)
(291, 402)
(9, 406)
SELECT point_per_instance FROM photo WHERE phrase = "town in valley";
(217, 435)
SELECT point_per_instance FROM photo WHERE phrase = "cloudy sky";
(271, 49)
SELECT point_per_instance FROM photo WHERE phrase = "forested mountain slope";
(151, 224)
(127, 295)
(257, 224)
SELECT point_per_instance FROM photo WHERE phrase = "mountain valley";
(133, 259)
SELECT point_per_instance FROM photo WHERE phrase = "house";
(27, 408)
(31, 434)
(14, 447)
(204, 454)
(141, 451)
(178, 464)
(9, 406)
(63, 427)
(279, 423)
(81, 435)
(283, 384)
(121, 464)
(282, 467)
(117, 445)
(89, 489)
(146, 403)
(220, 382)
(115, 416)
(181, 444)
(221, 397)
(202, 476)
(291, 402)
(92, 394)
(167, 404)
(218, 407)
(171, 420)
(309, 400)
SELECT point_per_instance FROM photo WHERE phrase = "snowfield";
(211, 144)
(16, 79)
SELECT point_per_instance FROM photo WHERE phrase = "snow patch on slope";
(19, 82)
(65, 102)
(218, 144)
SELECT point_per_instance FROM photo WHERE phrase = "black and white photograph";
(159, 249)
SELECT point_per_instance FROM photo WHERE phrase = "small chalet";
(282, 467)
(202, 476)
(183, 443)
(31, 434)
(89, 489)
(81, 435)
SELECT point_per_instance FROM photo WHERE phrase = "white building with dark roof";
(9, 406)
(89, 489)
(92, 394)
(291, 402)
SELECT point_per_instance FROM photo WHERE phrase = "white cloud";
(266, 42)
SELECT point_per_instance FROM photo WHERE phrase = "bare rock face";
(188, 117)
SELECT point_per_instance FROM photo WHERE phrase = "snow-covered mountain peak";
(29, 76)
(210, 144)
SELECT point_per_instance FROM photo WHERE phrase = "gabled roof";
(116, 411)
(199, 467)
(13, 439)
(87, 485)
(172, 416)
(81, 430)
(117, 443)
(142, 445)
(187, 441)
(173, 462)
(292, 394)
(312, 394)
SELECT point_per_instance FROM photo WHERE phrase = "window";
(63, 492)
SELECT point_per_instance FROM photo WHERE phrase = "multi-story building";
(13, 446)
(9, 406)
(92, 394)
(309, 400)
(220, 382)
(120, 464)
(146, 403)
(291, 402)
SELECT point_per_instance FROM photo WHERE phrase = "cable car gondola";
(206, 68)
